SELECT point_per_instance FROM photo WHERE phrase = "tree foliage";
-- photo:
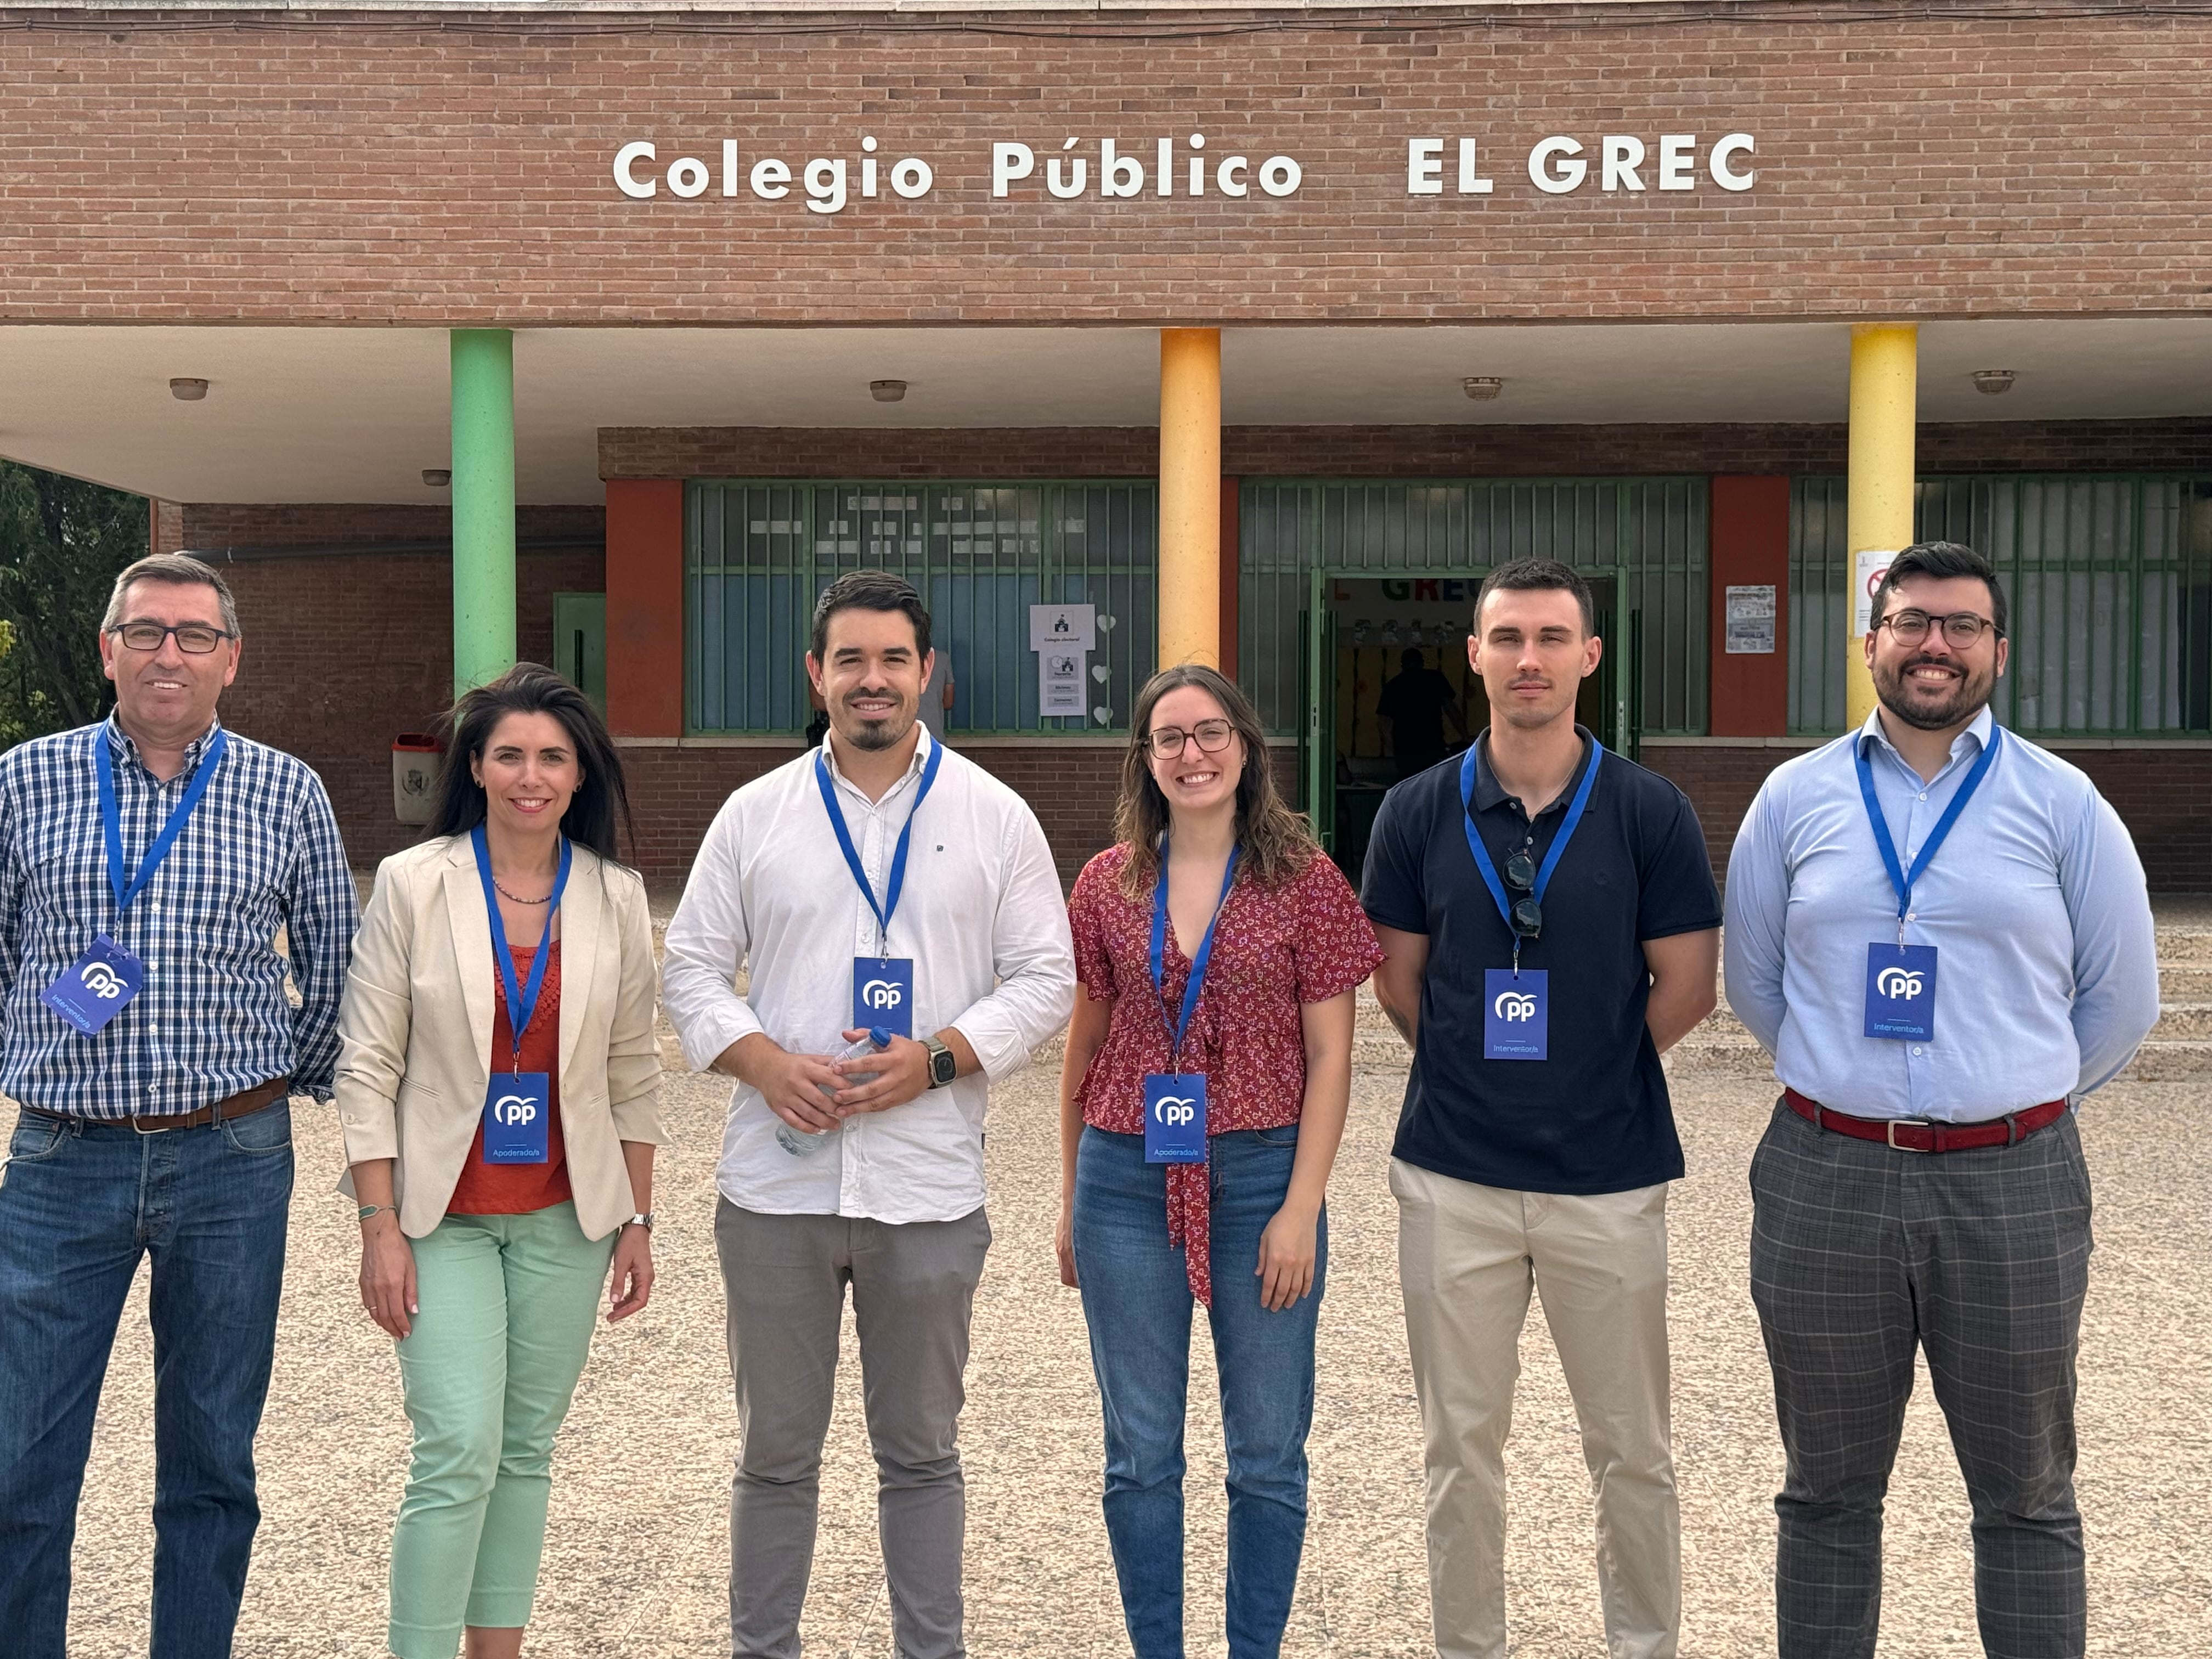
(62, 542)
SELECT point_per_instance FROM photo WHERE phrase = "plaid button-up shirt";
(260, 854)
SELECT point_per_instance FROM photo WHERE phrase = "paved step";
(2184, 944)
(2184, 981)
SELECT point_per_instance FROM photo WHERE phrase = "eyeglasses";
(195, 639)
(1960, 629)
(1166, 742)
(1527, 915)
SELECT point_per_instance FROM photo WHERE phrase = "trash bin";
(414, 777)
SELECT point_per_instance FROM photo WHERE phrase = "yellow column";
(1885, 375)
(1190, 496)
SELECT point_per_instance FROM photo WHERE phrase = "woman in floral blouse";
(1209, 863)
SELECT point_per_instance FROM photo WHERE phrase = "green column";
(483, 504)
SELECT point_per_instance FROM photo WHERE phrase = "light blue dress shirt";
(2047, 964)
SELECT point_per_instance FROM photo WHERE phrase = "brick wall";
(1283, 451)
(343, 650)
(442, 169)
(2163, 795)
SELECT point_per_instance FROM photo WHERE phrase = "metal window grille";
(2109, 583)
(759, 553)
(1650, 535)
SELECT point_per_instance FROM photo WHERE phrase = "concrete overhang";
(357, 414)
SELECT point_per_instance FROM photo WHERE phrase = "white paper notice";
(1061, 682)
(1870, 565)
(1750, 617)
(1072, 627)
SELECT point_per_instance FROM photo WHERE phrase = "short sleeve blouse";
(1305, 939)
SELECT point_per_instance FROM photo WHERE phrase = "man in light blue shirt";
(1941, 933)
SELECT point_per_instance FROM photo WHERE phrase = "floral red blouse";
(1306, 940)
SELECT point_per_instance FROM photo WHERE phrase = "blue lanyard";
(521, 999)
(883, 912)
(129, 887)
(1198, 964)
(1900, 877)
(1558, 842)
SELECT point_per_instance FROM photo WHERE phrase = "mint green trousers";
(508, 1306)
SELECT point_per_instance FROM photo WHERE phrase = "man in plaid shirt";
(146, 866)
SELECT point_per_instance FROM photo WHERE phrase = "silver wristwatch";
(644, 1220)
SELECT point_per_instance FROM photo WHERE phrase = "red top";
(519, 1188)
(1305, 940)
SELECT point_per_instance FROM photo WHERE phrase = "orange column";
(645, 607)
(1750, 548)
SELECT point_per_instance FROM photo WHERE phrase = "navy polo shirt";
(1594, 1117)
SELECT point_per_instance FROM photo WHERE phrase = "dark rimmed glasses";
(194, 639)
(1166, 742)
(1526, 916)
(1961, 629)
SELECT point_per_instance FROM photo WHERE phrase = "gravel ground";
(636, 1559)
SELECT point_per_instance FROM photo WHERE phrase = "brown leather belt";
(1914, 1136)
(245, 1103)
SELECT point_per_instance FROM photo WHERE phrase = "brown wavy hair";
(1276, 842)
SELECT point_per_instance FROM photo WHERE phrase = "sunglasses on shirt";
(1527, 915)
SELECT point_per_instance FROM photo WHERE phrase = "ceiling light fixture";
(437, 476)
(1482, 387)
(188, 392)
(1991, 382)
(887, 392)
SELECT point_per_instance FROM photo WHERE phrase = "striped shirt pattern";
(261, 853)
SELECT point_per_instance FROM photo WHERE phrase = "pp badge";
(1175, 1117)
(1516, 1014)
(1900, 992)
(95, 987)
(517, 1120)
(883, 994)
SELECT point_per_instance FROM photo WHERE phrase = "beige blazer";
(414, 1031)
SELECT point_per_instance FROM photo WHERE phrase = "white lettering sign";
(1114, 169)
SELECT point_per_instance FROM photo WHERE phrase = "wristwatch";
(644, 1221)
(944, 1065)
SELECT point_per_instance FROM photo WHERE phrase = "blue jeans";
(80, 1202)
(1137, 1303)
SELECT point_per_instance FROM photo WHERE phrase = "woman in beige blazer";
(502, 1163)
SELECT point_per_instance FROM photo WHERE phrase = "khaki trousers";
(1468, 1256)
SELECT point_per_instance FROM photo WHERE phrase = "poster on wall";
(1750, 617)
(1059, 681)
(1870, 565)
(1063, 637)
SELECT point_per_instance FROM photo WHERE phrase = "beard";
(1927, 710)
(874, 734)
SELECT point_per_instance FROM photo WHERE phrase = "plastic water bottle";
(805, 1143)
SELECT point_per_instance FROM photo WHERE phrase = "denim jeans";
(80, 1203)
(1137, 1303)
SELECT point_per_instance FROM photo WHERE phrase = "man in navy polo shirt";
(1552, 927)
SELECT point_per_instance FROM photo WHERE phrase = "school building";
(606, 334)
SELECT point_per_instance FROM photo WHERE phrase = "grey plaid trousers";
(1858, 1252)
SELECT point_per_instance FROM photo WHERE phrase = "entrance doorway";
(1391, 693)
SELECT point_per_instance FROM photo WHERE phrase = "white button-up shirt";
(981, 917)
(2047, 972)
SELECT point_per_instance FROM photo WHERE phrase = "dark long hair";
(1275, 840)
(530, 688)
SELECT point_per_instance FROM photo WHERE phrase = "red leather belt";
(1915, 1135)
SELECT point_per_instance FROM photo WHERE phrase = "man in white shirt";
(883, 882)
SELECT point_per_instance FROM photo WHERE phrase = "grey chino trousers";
(913, 1290)
(1859, 1253)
